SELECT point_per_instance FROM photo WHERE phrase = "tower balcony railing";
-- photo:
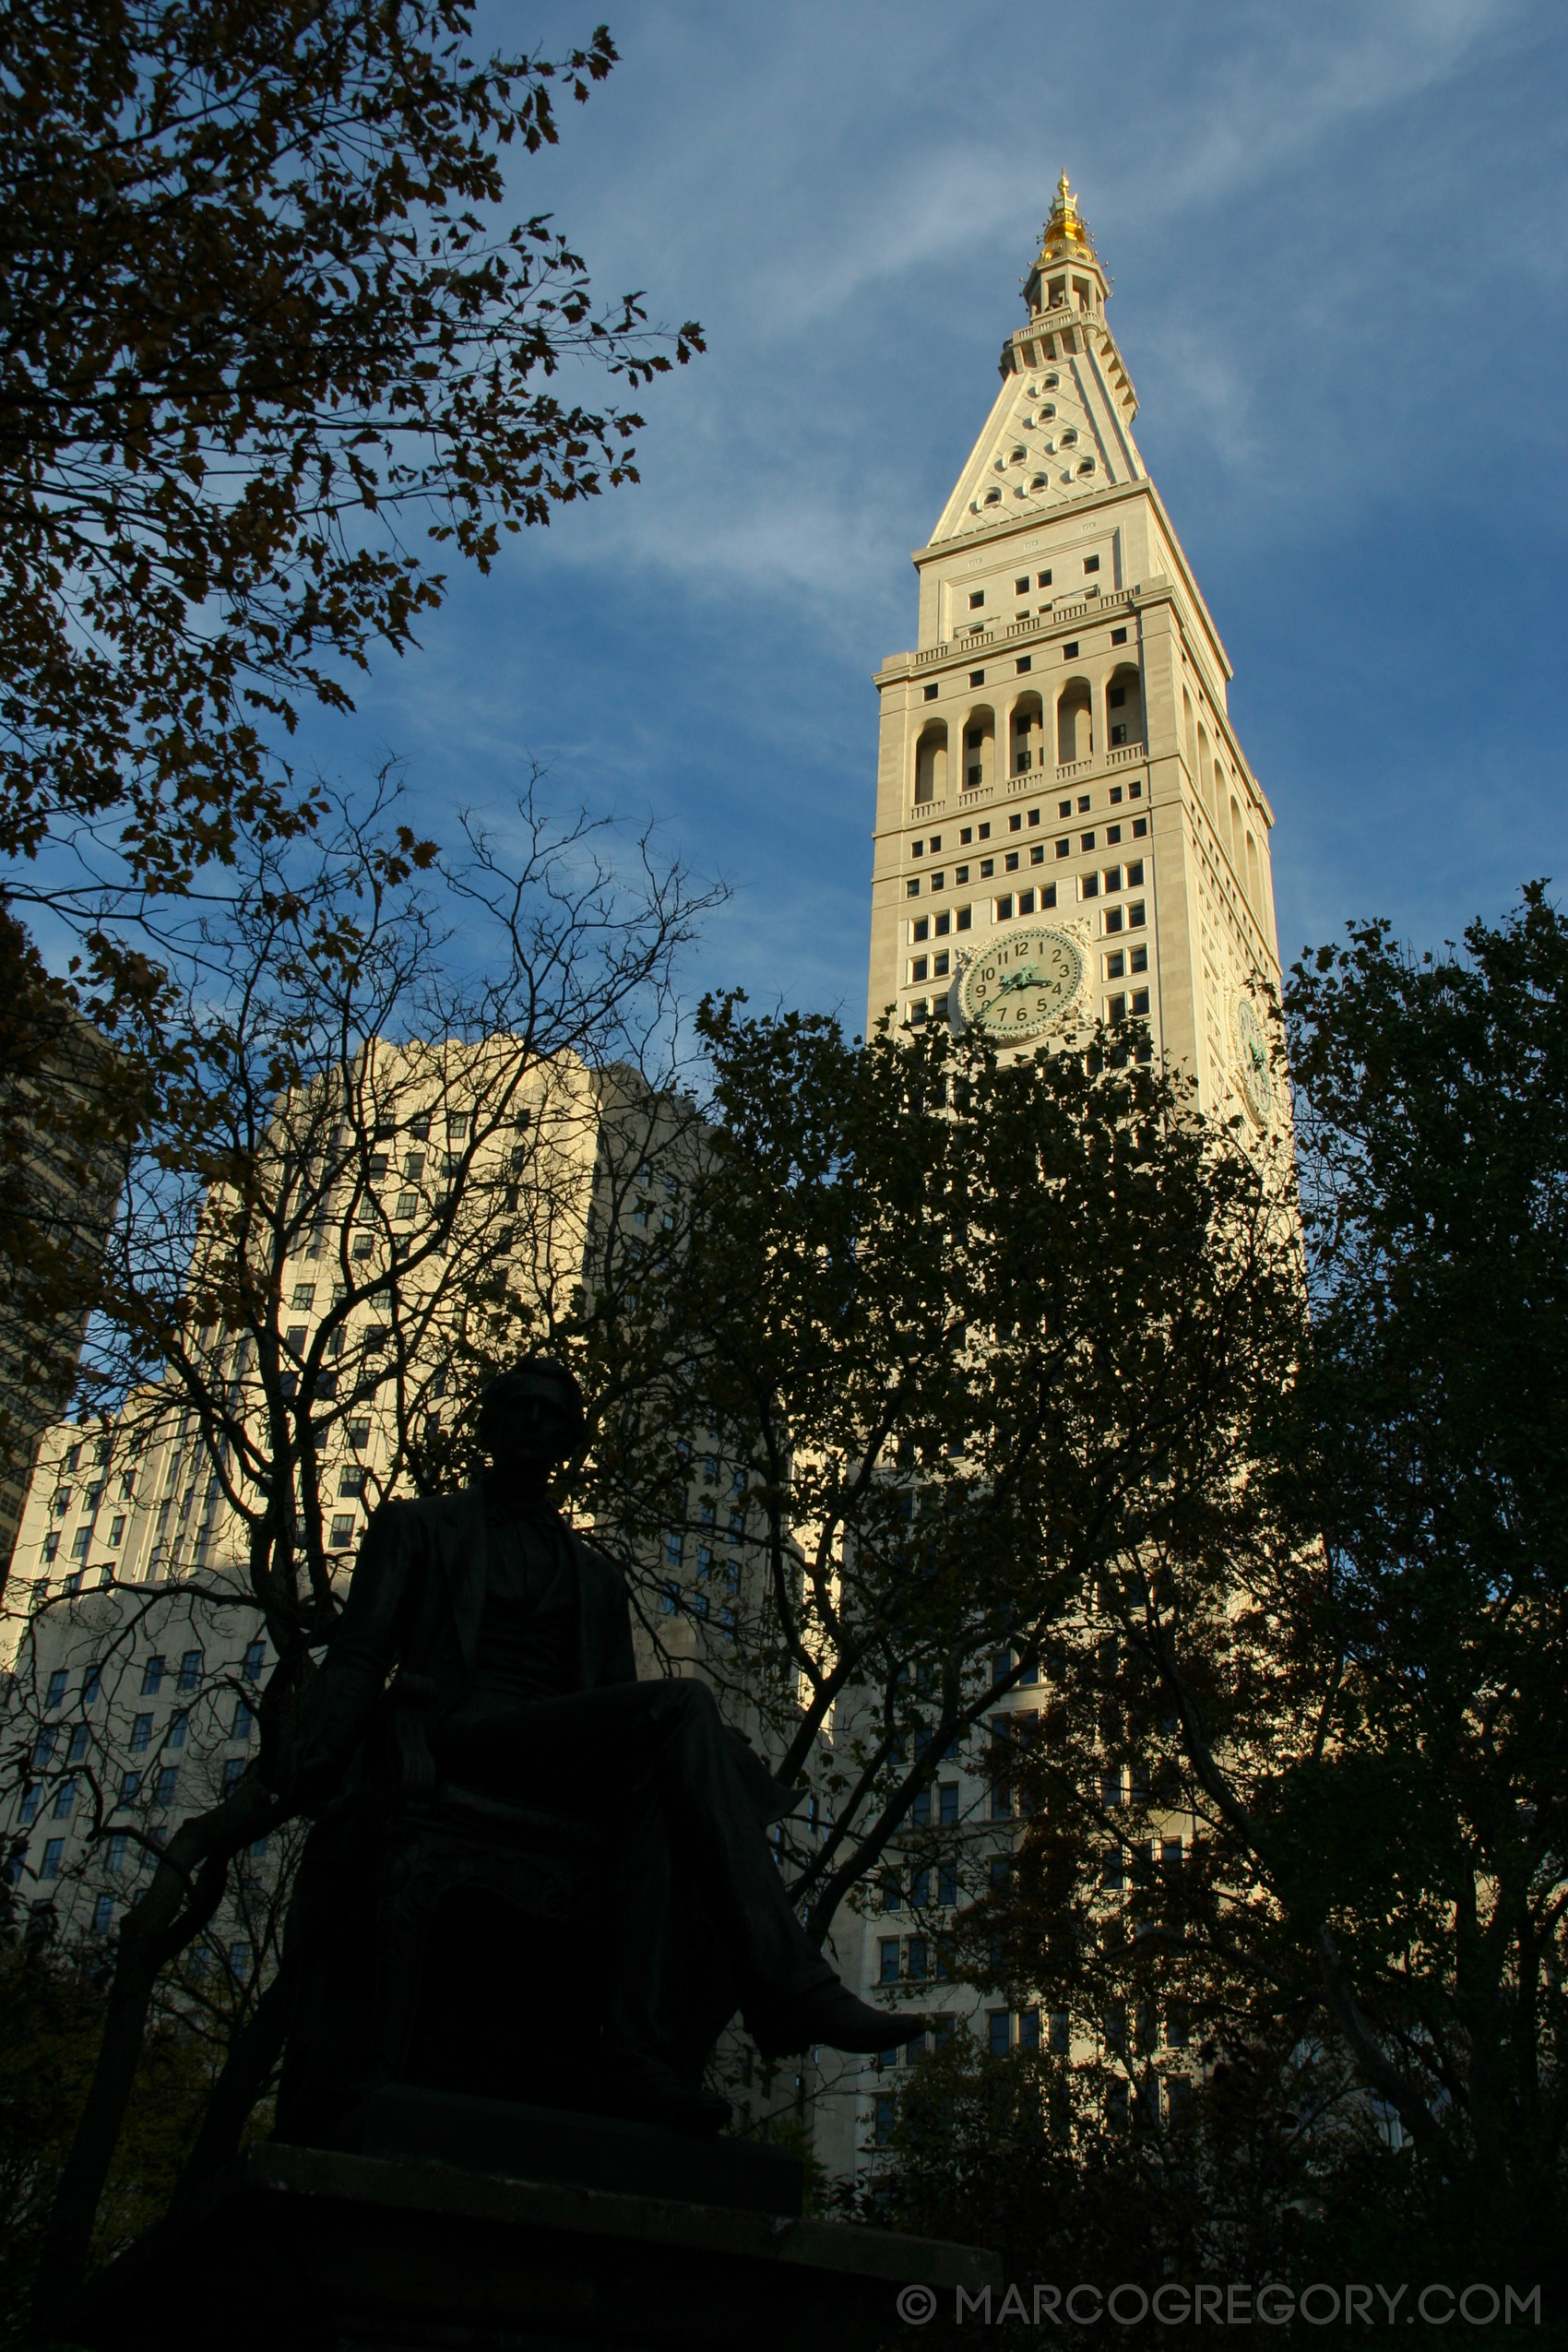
(1035, 779)
(968, 641)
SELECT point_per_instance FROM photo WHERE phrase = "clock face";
(1022, 984)
(1252, 1052)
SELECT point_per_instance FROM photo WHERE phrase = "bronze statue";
(528, 1766)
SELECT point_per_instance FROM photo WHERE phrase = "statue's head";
(532, 1412)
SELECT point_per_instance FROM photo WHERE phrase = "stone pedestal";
(321, 2250)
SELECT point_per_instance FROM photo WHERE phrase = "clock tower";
(1067, 829)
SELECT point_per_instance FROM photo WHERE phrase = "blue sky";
(1336, 239)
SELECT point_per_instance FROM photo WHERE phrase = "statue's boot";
(829, 2014)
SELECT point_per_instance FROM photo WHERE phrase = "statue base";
(328, 2251)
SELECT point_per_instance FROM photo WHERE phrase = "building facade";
(1067, 829)
(1067, 832)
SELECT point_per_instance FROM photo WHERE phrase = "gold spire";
(1066, 225)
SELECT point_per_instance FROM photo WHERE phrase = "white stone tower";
(1066, 827)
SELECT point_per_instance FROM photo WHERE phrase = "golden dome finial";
(1066, 224)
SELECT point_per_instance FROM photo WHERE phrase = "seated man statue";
(521, 1633)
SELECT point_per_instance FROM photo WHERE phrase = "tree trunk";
(252, 2056)
(186, 1890)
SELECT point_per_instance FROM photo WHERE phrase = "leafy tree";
(254, 326)
(936, 1339)
(1305, 1788)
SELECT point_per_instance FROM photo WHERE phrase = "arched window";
(1070, 438)
(1235, 828)
(1190, 736)
(1027, 735)
(1254, 880)
(1085, 465)
(980, 747)
(993, 498)
(1206, 773)
(1125, 706)
(1039, 481)
(930, 762)
(1074, 723)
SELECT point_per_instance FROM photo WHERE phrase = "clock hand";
(1027, 977)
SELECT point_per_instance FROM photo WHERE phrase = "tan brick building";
(1068, 828)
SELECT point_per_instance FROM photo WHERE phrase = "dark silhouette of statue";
(532, 1875)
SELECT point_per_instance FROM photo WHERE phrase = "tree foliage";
(1303, 1790)
(255, 324)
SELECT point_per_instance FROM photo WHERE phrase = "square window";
(294, 1338)
(930, 693)
(1086, 840)
(1021, 587)
(152, 1676)
(303, 1295)
(963, 918)
(1070, 652)
(1025, 661)
(79, 1544)
(1118, 637)
(1014, 825)
(887, 1961)
(1063, 808)
(408, 1205)
(1135, 874)
(917, 848)
(1140, 1003)
(936, 844)
(947, 1804)
(78, 1747)
(1026, 902)
(1113, 919)
(1115, 795)
(1037, 853)
(1034, 816)
(1112, 834)
(1029, 2029)
(1113, 879)
(921, 927)
(938, 881)
(1091, 563)
(343, 1532)
(920, 1960)
(1136, 791)
(988, 867)
(920, 1013)
(977, 677)
(53, 1853)
(1011, 862)
(1083, 804)
(1089, 886)
(918, 969)
(912, 887)
(941, 965)
(1140, 828)
(190, 1671)
(999, 2032)
(985, 833)
(1004, 910)
(943, 924)
(960, 873)
(178, 1725)
(1118, 698)
(1048, 895)
(1138, 961)
(1115, 1008)
(1135, 915)
(243, 1720)
(977, 598)
(966, 836)
(167, 1785)
(350, 1482)
(1063, 848)
(50, 1548)
(1115, 966)
(971, 776)
(1043, 580)
(116, 1531)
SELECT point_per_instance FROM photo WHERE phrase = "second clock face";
(1022, 984)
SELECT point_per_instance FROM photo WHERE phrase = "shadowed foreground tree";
(373, 1098)
(932, 1341)
(1357, 1708)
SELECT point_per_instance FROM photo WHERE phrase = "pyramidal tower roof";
(1061, 427)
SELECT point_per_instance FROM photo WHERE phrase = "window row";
(1065, 732)
(1089, 885)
